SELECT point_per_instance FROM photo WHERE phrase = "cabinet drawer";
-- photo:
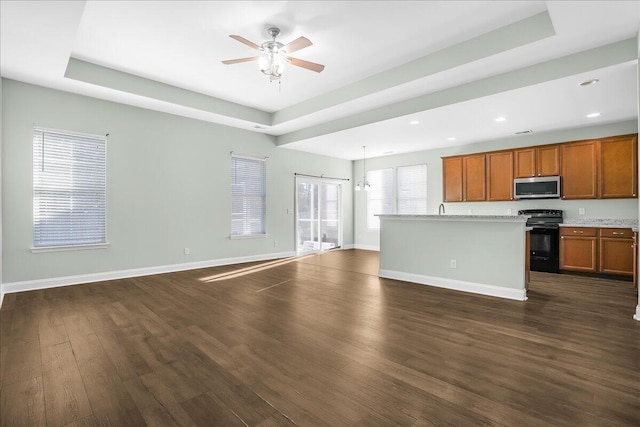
(625, 233)
(578, 231)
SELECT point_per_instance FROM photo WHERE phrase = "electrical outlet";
(509, 211)
(187, 251)
(453, 263)
(581, 211)
(275, 243)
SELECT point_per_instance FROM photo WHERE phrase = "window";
(380, 196)
(69, 189)
(410, 196)
(412, 189)
(248, 196)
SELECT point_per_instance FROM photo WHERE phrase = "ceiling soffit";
(511, 36)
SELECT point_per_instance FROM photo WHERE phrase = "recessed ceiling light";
(592, 115)
(414, 122)
(589, 82)
(501, 119)
(451, 138)
(259, 127)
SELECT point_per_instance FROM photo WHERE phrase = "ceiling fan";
(274, 55)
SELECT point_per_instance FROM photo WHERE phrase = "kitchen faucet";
(441, 209)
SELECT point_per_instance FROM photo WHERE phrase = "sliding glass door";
(318, 215)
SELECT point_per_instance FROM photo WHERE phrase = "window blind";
(248, 196)
(380, 196)
(69, 189)
(412, 189)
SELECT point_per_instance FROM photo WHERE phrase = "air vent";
(524, 131)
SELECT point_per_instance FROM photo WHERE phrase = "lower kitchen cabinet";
(592, 250)
(578, 249)
(616, 248)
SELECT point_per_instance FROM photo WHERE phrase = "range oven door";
(545, 249)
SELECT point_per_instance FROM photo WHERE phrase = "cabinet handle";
(576, 231)
(615, 233)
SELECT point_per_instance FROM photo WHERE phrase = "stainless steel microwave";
(539, 187)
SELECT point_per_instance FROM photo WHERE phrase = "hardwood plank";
(334, 345)
(22, 403)
(156, 402)
(64, 392)
(206, 411)
(22, 363)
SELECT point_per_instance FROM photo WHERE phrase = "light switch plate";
(581, 211)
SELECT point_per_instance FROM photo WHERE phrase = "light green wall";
(622, 208)
(489, 253)
(168, 185)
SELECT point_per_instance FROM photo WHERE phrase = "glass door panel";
(318, 220)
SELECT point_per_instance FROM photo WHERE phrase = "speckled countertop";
(489, 218)
(600, 223)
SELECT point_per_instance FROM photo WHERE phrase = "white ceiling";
(367, 48)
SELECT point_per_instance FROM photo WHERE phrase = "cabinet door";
(578, 253)
(619, 167)
(524, 163)
(452, 179)
(548, 160)
(616, 256)
(579, 171)
(500, 176)
(473, 176)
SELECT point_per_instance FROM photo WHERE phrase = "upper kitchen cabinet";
(500, 176)
(619, 167)
(463, 178)
(579, 170)
(536, 161)
(452, 179)
(473, 177)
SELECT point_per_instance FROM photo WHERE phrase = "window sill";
(247, 236)
(68, 248)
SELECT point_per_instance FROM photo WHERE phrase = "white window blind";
(380, 196)
(248, 196)
(412, 189)
(69, 189)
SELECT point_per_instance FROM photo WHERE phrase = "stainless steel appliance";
(545, 238)
(539, 187)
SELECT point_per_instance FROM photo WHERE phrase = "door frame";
(319, 181)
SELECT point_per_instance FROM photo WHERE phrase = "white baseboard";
(31, 285)
(348, 246)
(367, 247)
(457, 285)
(637, 315)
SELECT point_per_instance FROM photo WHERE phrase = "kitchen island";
(483, 254)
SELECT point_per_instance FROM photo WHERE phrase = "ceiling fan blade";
(239, 60)
(245, 41)
(306, 64)
(297, 44)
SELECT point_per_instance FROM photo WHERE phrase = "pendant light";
(364, 183)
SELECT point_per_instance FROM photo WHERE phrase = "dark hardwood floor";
(318, 340)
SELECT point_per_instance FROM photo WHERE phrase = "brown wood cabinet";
(500, 176)
(616, 246)
(579, 170)
(604, 168)
(537, 161)
(473, 177)
(619, 167)
(452, 179)
(578, 249)
(598, 250)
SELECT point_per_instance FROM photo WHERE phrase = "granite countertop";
(489, 218)
(600, 223)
